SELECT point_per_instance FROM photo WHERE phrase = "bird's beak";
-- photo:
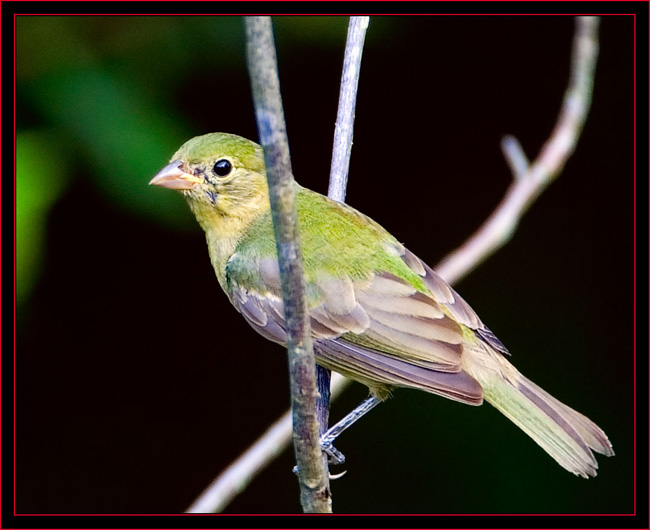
(173, 177)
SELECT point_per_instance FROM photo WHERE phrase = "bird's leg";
(327, 439)
(323, 379)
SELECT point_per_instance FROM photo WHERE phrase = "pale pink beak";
(174, 178)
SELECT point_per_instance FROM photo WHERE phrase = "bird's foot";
(334, 456)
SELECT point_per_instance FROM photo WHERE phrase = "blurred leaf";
(48, 44)
(139, 46)
(125, 136)
(41, 177)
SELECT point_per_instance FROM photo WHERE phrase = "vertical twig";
(347, 103)
(262, 66)
(341, 152)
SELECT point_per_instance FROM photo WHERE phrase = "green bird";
(379, 315)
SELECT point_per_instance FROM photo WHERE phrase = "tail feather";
(592, 435)
(566, 435)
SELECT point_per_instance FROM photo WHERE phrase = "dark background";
(137, 382)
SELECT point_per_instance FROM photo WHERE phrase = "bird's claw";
(332, 477)
(334, 456)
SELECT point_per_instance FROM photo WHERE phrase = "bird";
(379, 315)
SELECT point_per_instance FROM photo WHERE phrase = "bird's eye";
(222, 167)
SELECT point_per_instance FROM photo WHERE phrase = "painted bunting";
(379, 315)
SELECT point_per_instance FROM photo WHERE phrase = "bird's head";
(221, 176)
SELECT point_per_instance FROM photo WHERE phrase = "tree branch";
(238, 475)
(262, 67)
(341, 153)
(529, 183)
(531, 180)
(343, 131)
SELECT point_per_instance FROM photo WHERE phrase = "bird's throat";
(223, 233)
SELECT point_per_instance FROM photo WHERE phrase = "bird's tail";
(566, 435)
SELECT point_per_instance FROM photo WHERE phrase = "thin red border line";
(263, 515)
(358, 515)
(575, 14)
(326, 515)
(635, 348)
(14, 326)
(14, 434)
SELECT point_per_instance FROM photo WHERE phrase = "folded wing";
(380, 331)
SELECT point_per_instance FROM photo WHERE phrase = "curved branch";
(529, 182)
(236, 477)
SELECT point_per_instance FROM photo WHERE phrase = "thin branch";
(238, 475)
(530, 182)
(347, 104)
(262, 67)
(515, 156)
(341, 153)
(460, 262)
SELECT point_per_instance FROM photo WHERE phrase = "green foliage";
(41, 178)
(122, 135)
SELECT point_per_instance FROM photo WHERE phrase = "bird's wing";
(457, 307)
(379, 330)
(381, 312)
(391, 316)
(260, 300)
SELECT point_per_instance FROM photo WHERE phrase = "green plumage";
(363, 247)
(378, 314)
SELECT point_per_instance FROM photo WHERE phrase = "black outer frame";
(9, 520)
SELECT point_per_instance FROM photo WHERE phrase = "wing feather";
(456, 305)
(379, 329)
(427, 328)
(372, 368)
(404, 305)
(260, 314)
